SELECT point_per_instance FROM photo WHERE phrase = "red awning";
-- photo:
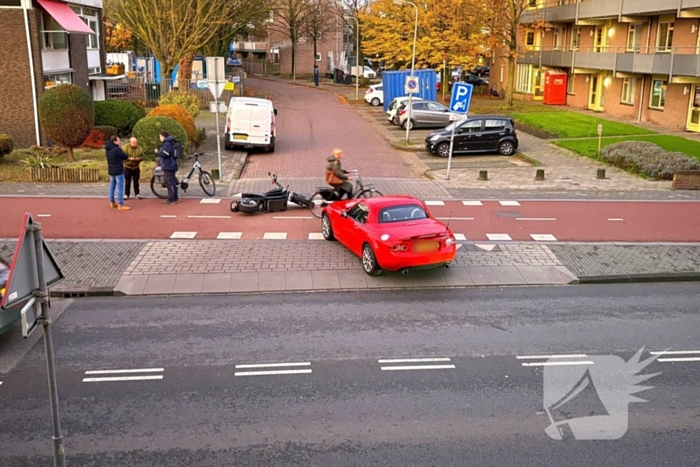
(66, 17)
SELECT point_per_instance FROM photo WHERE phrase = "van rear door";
(261, 123)
(241, 123)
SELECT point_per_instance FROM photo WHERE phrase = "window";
(575, 38)
(472, 126)
(664, 38)
(524, 75)
(436, 107)
(318, 57)
(95, 71)
(54, 80)
(89, 17)
(530, 39)
(657, 99)
(420, 106)
(494, 125)
(402, 213)
(634, 37)
(359, 212)
(628, 87)
(55, 37)
(557, 39)
(571, 84)
(10, 3)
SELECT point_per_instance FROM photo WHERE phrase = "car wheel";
(327, 228)
(506, 148)
(443, 149)
(408, 123)
(375, 102)
(369, 261)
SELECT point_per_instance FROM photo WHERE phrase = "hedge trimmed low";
(67, 115)
(180, 115)
(647, 159)
(148, 129)
(186, 100)
(7, 144)
(121, 115)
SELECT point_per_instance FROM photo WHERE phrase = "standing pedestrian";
(132, 167)
(169, 165)
(115, 166)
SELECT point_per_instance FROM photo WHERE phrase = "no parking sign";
(411, 85)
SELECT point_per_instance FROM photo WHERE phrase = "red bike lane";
(579, 221)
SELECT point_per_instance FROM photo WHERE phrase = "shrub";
(39, 161)
(122, 115)
(67, 115)
(99, 136)
(107, 131)
(7, 144)
(647, 159)
(148, 129)
(140, 107)
(201, 136)
(180, 115)
(186, 100)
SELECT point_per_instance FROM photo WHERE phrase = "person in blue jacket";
(115, 168)
(169, 165)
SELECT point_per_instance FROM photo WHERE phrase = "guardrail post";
(600, 174)
(483, 175)
(539, 175)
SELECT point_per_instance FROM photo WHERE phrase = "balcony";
(686, 62)
(250, 47)
(643, 61)
(565, 11)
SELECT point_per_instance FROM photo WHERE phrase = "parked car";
(7, 317)
(481, 71)
(483, 133)
(473, 80)
(392, 233)
(395, 104)
(426, 114)
(367, 72)
(375, 94)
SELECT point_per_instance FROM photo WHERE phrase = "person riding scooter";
(336, 176)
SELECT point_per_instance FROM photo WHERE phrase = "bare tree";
(289, 20)
(321, 18)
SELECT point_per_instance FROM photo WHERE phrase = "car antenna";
(449, 218)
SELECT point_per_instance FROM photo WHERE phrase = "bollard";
(483, 174)
(215, 174)
(601, 174)
(539, 175)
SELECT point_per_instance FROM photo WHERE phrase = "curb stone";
(641, 278)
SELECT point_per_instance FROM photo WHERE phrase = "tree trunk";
(184, 76)
(70, 155)
(511, 80)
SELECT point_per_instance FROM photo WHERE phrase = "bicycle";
(160, 189)
(327, 195)
(500, 93)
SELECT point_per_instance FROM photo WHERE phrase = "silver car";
(426, 114)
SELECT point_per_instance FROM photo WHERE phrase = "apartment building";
(44, 43)
(636, 59)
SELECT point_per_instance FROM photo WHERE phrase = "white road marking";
(272, 365)
(316, 236)
(210, 201)
(459, 236)
(266, 373)
(292, 217)
(676, 352)
(43, 215)
(485, 247)
(680, 359)
(229, 235)
(0, 383)
(497, 237)
(168, 216)
(208, 217)
(587, 362)
(455, 218)
(509, 203)
(535, 219)
(183, 235)
(122, 378)
(472, 203)
(459, 245)
(135, 370)
(543, 237)
(615, 219)
(275, 236)
(538, 357)
(418, 367)
(435, 203)
(413, 360)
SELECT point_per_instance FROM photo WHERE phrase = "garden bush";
(141, 107)
(7, 144)
(186, 100)
(122, 115)
(67, 115)
(99, 136)
(647, 159)
(180, 115)
(148, 129)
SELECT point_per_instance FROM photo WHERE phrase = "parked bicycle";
(160, 189)
(325, 195)
(500, 92)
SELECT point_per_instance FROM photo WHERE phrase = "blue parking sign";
(461, 97)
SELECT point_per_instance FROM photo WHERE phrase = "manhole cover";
(509, 214)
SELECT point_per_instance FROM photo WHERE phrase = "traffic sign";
(461, 97)
(411, 85)
(229, 86)
(31, 313)
(24, 280)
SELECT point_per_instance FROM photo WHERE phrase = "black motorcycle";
(274, 200)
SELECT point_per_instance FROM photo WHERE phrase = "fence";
(261, 67)
(64, 175)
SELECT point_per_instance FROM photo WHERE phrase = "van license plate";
(243, 137)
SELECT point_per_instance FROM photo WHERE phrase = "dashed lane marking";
(168, 216)
(413, 360)
(43, 215)
(275, 236)
(188, 235)
(472, 203)
(229, 235)
(415, 367)
(498, 237)
(586, 362)
(292, 217)
(543, 237)
(106, 379)
(459, 236)
(680, 359)
(210, 201)
(418, 367)
(434, 203)
(208, 217)
(272, 365)
(135, 370)
(540, 357)
(455, 218)
(509, 203)
(122, 378)
(615, 219)
(316, 236)
(535, 219)
(273, 372)
(676, 352)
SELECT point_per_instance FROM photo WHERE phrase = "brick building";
(44, 43)
(636, 59)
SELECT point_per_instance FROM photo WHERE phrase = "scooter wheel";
(249, 206)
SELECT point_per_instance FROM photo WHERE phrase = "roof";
(250, 100)
(393, 200)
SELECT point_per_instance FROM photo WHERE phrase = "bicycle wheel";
(207, 183)
(369, 193)
(159, 189)
(316, 204)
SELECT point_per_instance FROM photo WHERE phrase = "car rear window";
(402, 213)
(494, 125)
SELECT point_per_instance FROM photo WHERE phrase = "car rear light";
(449, 241)
(370, 90)
(228, 125)
(400, 247)
(402, 111)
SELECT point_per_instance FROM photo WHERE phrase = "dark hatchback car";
(483, 133)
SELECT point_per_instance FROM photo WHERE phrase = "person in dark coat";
(169, 165)
(335, 167)
(115, 168)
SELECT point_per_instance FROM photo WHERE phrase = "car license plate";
(243, 137)
(422, 247)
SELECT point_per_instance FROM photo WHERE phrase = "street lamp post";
(357, 59)
(413, 65)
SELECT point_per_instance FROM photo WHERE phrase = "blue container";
(394, 83)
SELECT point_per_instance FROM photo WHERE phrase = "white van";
(250, 123)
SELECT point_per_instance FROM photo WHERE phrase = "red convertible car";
(392, 233)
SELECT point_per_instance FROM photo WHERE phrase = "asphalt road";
(196, 403)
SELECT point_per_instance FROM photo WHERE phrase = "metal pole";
(218, 140)
(357, 59)
(452, 142)
(59, 455)
(413, 65)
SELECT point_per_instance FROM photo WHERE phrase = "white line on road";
(535, 218)
(418, 367)
(455, 218)
(459, 236)
(210, 201)
(277, 372)
(275, 236)
(676, 352)
(183, 235)
(272, 365)
(135, 370)
(435, 203)
(615, 219)
(681, 359)
(472, 203)
(208, 217)
(509, 203)
(586, 362)
(122, 378)
(229, 235)
(168, 216)
(43, 215)
(316, 236)
(498, 237)
(538, 357)
(543, 237)
(292, 217)
(413, 360)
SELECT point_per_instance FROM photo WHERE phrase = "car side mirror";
(344, 214)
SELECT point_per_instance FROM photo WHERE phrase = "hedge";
(67, 115)
(7, 144)
(647, 159)
(121, 115)
(186, 100)
(148, 129)
(180, 115)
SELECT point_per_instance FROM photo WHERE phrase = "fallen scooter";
(275, 200)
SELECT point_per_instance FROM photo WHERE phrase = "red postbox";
(555, 87)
